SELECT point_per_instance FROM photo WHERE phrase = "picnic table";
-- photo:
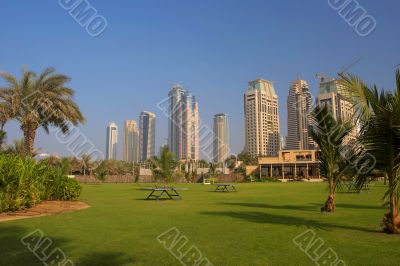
(225, 188)
(158, 192)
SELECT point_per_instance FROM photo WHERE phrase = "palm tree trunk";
(29, 139)
(329, 205)
(391, 220)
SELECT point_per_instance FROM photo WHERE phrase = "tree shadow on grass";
(14, 252)
(356, 206)
(275, 207)
(261, 217)
(104, 258)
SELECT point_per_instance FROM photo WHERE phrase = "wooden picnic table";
(225, 188)
(157, 192)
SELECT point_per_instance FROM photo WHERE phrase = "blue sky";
(212, 47)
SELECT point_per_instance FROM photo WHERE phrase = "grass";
(252, 227)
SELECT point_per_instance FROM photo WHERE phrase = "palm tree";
(39, 101)
(65, 165)
(53, 161)
(213, 170)
(2, 139)
(87, 163)
(231, 162)
(17, 147)
(379, 118)
(164, 166)
(336, 157)
(76, 166)
(7, 111)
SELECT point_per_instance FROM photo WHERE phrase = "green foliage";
(231, 162)
(17, 147)
(100, 172)
(337, 156)
(164, 167)
(114, 167)
(241, 170)
(247, 159)
(24, 183)
(2, 139)
(212, 169)
(379, 116)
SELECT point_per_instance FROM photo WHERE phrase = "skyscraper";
(183, 124)
(131, 141)
(261, 118)
(330, 94)
(112, 140)
(221, 138)
(147, 136)
(299, 108)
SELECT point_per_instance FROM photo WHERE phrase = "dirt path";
(43, 209)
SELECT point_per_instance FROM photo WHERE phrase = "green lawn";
(255, 226)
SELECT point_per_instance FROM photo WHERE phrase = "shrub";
(24, 183)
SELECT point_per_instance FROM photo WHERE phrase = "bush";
(25, 183)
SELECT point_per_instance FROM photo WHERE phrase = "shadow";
(14, 252)
(354, 206)
(160, 200)
(261, 217)
(104, 258)
(275, 207)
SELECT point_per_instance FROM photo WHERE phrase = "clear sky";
(212, 47)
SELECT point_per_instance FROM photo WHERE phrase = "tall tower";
(112, 140)
(147, 136)
(261, 118)
(299, 108)
(183, 126)
(195, 131)
(221, 138)
(131, 141)
(330, 94)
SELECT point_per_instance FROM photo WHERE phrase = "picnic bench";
(225, 188)
(158, 192)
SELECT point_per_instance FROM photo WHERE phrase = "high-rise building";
(112, 140)
(131, 141)
(221, 138)
(261, 118)
(299, 108)
(147, 136)
(330, 94)
(183, 124)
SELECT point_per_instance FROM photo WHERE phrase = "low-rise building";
(289, 164)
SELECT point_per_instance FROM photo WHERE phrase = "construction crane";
(323, 77)
(344, 69)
